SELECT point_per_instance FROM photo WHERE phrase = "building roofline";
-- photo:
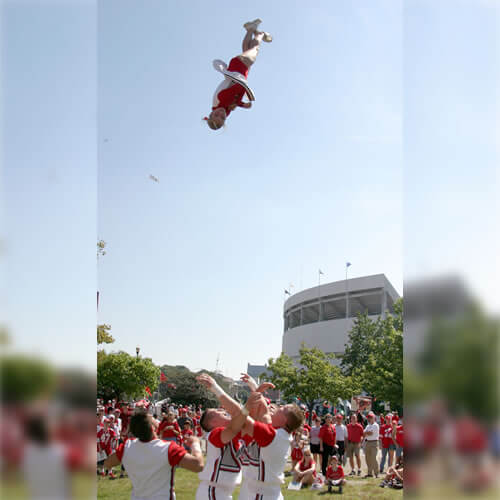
(338, 287)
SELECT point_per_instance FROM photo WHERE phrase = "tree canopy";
(183, 388)
(23, 378)
(374, 355)
(103, 335)
(313, 379)
(119, 373)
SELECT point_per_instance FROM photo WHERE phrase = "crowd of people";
(247, 444)
(320, 453)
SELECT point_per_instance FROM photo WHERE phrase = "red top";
(263, 434)
(355, 432)
(386, 435)
(304, 465)
(215, 438)
(163, 434)
(338, 473)
(297, 454)
(233, 95)
(399, 435)
(327, 434)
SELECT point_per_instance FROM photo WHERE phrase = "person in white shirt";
(340, 437)
(150, 462)
(314, 442)
(371, 435)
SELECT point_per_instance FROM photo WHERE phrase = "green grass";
(186, 484)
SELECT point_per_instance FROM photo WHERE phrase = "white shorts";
(207, 492)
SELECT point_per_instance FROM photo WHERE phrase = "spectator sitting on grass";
(334, 474)
(305, 470)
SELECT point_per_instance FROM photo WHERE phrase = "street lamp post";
(137, 350)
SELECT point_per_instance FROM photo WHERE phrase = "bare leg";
(308, 478)
(251, 50)
(246, 41)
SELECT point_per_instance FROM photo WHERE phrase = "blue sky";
(338, 159)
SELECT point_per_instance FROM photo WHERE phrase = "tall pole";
(320, 272)
(347, 264)
(346, 295)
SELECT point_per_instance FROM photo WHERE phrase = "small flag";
(163, 377)
(148, 390)
(321, 272)
(347, 264)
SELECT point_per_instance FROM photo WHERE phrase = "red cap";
(371, 414)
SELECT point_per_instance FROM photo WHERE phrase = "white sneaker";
(252, 25)
(267, 38)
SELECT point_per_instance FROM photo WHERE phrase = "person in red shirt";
(334, 474)
(169, 429)
(327, 437)
(387, 445)
(304, 470)
(398, 439)
(229, 94)
(354, 437)
(186, 433)
(106, 443)
(297, 450)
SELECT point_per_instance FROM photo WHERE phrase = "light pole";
(137, 350)
(347, 264)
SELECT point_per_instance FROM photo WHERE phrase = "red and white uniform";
(386, 435)
(222, 471)
(106, 440)
(274, 449)
(229, 93)
(297, 453)
(151, 466)
(250, 465)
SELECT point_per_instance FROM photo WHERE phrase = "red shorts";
(237, 65)
(297, 454)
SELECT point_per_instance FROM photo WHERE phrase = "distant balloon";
(153, 178)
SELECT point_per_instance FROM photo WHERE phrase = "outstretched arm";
(246, 105)
(252, 384)
(227, 402)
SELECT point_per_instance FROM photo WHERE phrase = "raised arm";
(227, 402)
(192, 461)
(235, 426)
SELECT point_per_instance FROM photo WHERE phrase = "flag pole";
(347, 264)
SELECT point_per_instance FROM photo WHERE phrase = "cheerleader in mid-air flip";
(229, 94)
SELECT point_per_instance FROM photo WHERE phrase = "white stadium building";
(322, 316)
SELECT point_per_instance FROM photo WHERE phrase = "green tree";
(103, 335)
(374, 355)
(313, 380)
(183, 388)
(120, 373)
(460, 362)
(23, 378)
